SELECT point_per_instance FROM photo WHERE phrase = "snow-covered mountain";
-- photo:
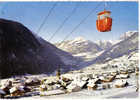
(126, 46)
(127, 34)
(101, 51)
(79, 45)
(104, 44)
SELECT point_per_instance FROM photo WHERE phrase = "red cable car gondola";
(104, 21)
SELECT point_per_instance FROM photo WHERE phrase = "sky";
(32, 14)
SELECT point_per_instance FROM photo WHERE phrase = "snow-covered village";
(88, 51)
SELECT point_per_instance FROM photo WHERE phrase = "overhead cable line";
(46, 18)
(62, 24)
(3, 7)
(81, 22)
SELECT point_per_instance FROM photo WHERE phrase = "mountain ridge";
(22, 52)
(116, 49)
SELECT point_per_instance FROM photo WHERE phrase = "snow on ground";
(86, 94)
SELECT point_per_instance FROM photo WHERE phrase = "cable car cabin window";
(104, 16)
(107, 15)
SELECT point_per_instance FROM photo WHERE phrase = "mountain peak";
(127, 34)
(79, 39)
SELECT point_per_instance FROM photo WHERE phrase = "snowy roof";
(120, 82)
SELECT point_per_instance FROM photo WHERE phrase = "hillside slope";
(21, 52)
(126, 46)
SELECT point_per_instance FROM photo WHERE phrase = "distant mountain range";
(101, 51)
(126, 35)
(81, 45)
(104, 44)
(126, 46)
